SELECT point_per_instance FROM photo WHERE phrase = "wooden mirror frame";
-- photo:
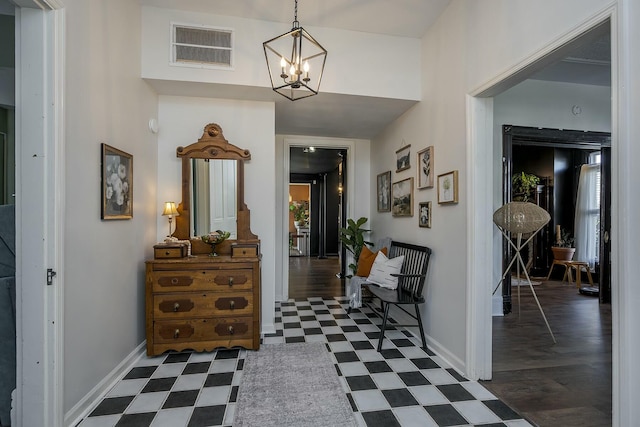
(212, 145)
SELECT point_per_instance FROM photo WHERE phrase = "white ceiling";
(347, 116)
(409, 18)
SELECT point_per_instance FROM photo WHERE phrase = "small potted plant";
(300, 214)
(563, 248)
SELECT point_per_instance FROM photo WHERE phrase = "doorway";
(317, 182)
(554, 157)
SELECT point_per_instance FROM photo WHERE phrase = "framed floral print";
(403, 158)
(383, 186)
(117, 183)
(424, 217)
(425, 168)
(402, 197)
(448, 187)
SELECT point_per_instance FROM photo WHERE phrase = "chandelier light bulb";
(283, 65)
(306, 69)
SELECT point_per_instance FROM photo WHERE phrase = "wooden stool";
(568, 266)
(567, 269)
(578, 266)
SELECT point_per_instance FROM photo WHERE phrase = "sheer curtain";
(587, 215)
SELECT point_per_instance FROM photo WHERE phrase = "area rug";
(291, 385)
(522, 281)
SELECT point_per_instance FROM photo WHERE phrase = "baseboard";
(84, 407)
(268, 329)
(442, 352)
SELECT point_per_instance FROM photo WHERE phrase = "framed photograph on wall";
(383, 186)
(117, 183)
(448, 187)
(403, 158)
(425, 168)
(424, 214)
(402, 198)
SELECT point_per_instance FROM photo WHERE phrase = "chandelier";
(295, 73)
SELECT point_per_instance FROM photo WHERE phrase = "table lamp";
(170, 210)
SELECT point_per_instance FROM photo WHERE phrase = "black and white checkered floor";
(401, 386)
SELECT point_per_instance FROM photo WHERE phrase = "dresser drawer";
(185, 305)
(196, 280)
(226, 330)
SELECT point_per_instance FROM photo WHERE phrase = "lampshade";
(521, 217)
(295, 61)
(170, 209)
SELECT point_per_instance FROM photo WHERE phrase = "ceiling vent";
(200, 46)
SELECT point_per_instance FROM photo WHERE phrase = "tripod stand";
(521, 218)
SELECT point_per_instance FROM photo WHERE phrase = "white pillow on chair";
(382, 270)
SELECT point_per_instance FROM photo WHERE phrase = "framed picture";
(117, 183)
(402, 197)
(424, 217)
(425, 168)
(448, 187)
(384, 191)
(403, 158)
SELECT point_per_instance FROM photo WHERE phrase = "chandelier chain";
(295, 12)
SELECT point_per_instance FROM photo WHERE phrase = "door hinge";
(50, 275)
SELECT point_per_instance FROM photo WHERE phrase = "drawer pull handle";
(176, 333)
(176, 306)
(167, 253)
(232, 304)
(230, 280)
(174, 281)
(230, 329)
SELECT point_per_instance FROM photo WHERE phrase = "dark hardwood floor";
(313, 277)
(564, 384)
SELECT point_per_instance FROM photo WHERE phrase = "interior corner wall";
(106, 101)
(471, 44)
(246, 124)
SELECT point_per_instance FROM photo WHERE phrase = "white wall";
(248, 125)
(549, 104)
(349, 55)
(105, 101)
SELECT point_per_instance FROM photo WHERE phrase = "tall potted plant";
(524, 186)
(352, 237)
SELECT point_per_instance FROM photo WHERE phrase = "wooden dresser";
(202, 302)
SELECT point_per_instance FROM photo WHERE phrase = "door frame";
(282, 292)
(39, 213)
(484, 177)
(552, 138)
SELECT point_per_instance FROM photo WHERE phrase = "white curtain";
(587, 215)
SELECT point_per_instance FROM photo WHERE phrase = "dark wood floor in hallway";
(314, 277)
(564, 384)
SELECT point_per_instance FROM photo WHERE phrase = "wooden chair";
(411, 282)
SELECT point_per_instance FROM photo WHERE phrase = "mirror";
(217, 192)
(214, 196)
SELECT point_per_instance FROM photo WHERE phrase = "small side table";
(568, 266)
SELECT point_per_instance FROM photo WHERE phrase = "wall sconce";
(170, 210)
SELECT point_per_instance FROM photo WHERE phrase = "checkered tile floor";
(401, 386)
